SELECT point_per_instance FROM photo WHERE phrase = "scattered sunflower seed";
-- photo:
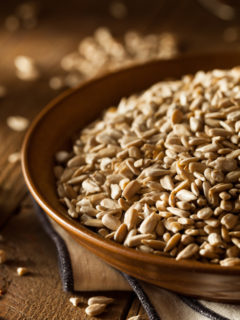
(26, 68)
(95, 309)
(100, 299)
(75, 301)
(17, 123)
(21, 271)
(14, 157)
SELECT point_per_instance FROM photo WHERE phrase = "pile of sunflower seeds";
(161, 172)
(102, 51)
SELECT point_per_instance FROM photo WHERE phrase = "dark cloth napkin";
(98, 276)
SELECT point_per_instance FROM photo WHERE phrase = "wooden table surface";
(61, 26)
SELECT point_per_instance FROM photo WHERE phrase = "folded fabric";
(81, 270)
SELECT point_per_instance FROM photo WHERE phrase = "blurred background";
(49, 45)
(69, 41)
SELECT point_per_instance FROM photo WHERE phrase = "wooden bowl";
(52, 130)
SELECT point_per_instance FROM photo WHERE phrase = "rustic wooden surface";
(61, 26)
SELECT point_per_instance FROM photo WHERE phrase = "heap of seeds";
(161, 172)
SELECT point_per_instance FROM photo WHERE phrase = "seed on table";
(21, 271)
(26, 68)
(139, 317)
(3, 256)
(95, 309)
(17, 123)
(14, 157)
(75, 301)
(100, 300)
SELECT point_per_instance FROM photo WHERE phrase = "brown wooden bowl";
(52, 130)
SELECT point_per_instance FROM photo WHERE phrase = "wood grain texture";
(39, 295)
(60, 29)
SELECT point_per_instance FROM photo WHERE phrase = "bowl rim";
(81, 231)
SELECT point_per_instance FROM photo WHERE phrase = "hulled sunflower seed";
(186, 195)
(95, 309)
(230, 262)
(100, 299)
(22, 271)
(121, 233)
(111, 222)
(131, 189)
(75, 301)
(17, 123)
(188, 251)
